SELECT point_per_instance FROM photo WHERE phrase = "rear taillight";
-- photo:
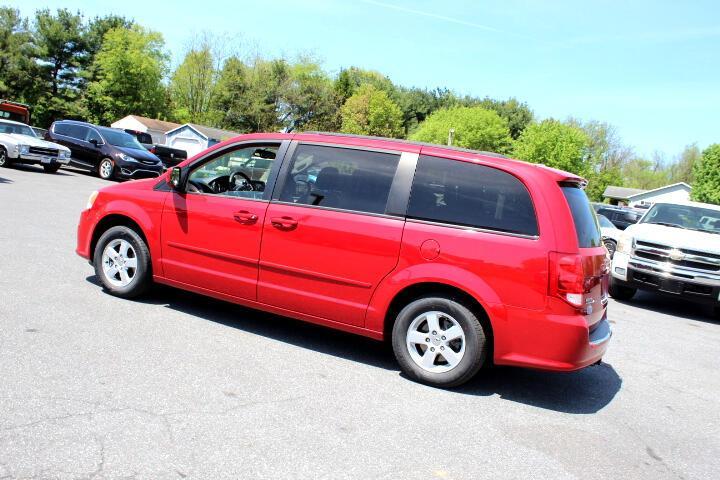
(573, 276)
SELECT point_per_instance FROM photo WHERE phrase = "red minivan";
(460, 258)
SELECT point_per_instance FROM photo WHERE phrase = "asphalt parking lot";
(176, 385)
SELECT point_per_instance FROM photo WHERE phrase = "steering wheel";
(246, 186)
(197, 187)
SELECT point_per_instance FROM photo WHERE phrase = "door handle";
(245, 217)
(284, 223)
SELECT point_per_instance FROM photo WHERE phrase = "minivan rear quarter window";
(468, 194)
(586, 224)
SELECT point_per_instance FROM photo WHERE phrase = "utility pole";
(451, 137)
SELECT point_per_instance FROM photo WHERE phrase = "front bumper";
(661, 278)
(38, 159)
(135, 170)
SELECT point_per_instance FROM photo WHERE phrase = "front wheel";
(611, 247)
(620, 292)
(106, 169)
(4, 160)
(52, 168)
(439, 341)
(122, 262)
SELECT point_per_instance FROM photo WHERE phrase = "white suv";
(19, 144)
(674, 250)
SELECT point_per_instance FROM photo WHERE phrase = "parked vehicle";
(17, 112)
(674, 250)
(460, 258)
(170, 156)
(621, 217)
(610, 234)
(18, 144)
(109, 152)
(39, 132)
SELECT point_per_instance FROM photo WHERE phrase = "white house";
(195, 138)
(156, 128)
(677, 192)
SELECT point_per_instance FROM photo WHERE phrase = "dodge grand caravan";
(459, 258)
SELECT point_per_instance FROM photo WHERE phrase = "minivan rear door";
(328, 239)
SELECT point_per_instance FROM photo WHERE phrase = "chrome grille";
(53, 152)
(685, 258)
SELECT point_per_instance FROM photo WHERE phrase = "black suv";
(619, 216)
(110, 152)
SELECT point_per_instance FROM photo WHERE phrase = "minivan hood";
(140, 154)
(675, 237)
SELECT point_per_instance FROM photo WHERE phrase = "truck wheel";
(106, 169)
(717, 313)
(611, 247)
(122, 262)
(439, 341)
(620, 292)
(4, 160)
(51, 168)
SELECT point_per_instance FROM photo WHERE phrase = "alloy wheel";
(119, 262)
(436, 342)
(106, 168)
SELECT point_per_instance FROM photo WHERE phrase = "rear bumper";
(550, 341)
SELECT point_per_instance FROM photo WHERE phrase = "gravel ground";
(181, 386)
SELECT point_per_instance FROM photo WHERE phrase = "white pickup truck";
(19, 144)
(674, 250)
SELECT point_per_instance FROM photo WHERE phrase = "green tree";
(61, 51)
(130, 68)
(350, 79)
(475, 128)
(556, 145)
(707, 176)
(369, 111)
(644, 174)
(309, 100)
(518, 115)
(93, 37)
(18, 71)
(682, 170)
(417, 104)
(249, 97)
(193, 83)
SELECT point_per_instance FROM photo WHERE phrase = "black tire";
(141, 277)
(476, 348)
(621, 292)
(52, 168)
(104, 173)
(611, 246)
(717, 313)
(4, 159)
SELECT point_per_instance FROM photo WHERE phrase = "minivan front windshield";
(121, 139)
(687, 217)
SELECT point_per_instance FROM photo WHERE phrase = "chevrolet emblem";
(676, 255)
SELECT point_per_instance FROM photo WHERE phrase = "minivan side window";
(343, 178)
(71, 130)
(94, 135)
(472, 195)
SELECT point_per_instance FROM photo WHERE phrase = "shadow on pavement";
(36, 168)
(583, 392)
(672, 306)
(5, 180)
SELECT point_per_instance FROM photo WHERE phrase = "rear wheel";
(439, 341)
(51, 168)
(106, 169)
(122, 262)
(4, 160)
(621, 292)
(717, 313)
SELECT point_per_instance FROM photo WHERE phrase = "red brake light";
(573, 276)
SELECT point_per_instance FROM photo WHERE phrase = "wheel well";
(408, 294)
(114, 221)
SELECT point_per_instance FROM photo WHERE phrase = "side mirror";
(176, 179)
(94, 142)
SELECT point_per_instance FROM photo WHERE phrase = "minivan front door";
(211, 233)
(327, 240)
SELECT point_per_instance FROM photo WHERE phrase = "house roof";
(683, 185)
(621, 193)
(154, 124)
(210, 133)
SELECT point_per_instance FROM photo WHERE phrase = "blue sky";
(651, 68)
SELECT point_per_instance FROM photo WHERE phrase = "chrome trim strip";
(474, 229)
